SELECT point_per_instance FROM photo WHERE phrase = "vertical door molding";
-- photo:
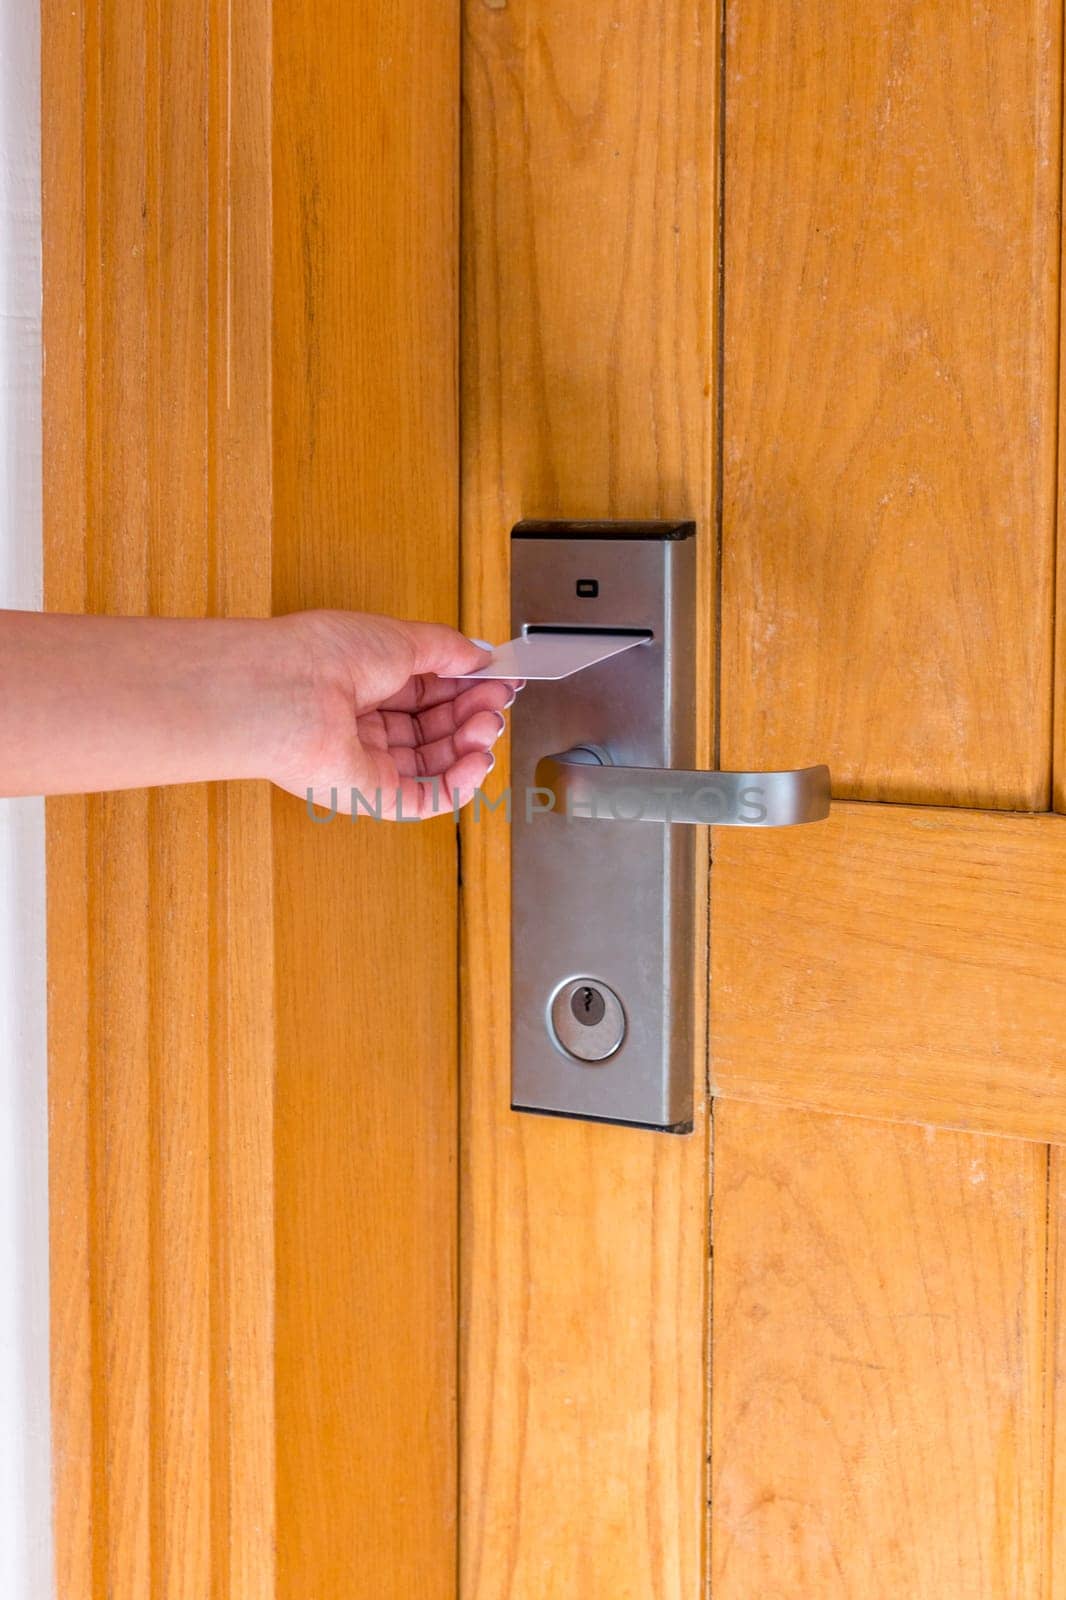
(250, 250)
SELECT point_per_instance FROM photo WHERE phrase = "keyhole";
(587, 1005)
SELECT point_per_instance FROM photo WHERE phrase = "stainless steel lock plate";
(603, 801)
(606, 907)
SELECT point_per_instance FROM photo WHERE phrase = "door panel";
(882, 1372)
(878, 1387)
(251, 315)
(886, 260)
(588, 203)
(891, 249)
(903, 962)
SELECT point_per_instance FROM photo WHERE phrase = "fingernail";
(511, 698)
(503, 722)
(482, 644)
(492, 762)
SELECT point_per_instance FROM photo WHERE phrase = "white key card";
(550, 656)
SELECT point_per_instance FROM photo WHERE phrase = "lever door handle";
(586, 783)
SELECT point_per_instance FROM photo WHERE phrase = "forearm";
(94, 703)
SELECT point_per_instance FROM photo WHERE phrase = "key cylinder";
(587, 1019)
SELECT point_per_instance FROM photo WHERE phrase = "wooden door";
(792, 270)
(250, 327)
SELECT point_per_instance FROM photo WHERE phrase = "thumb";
(444, 650)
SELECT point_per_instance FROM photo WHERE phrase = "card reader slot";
(564, 627)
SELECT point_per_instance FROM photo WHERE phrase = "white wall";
(25, 1500)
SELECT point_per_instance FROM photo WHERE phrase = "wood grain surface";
(886, 1346)
(250, 402)
(878, 1371)
(891, 242)
(896, 961)
(588, 202)
(239, 479)
(72, 1269)
(366, 128)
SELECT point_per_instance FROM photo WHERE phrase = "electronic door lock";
(603, 920)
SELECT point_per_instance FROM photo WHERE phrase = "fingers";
(403, 783)
(478, 732)
(401, 737)
(438, 721)
(443, 650)
(440, 729)
(467, 775)
(456, 787)
(422, 693)
(405, 730)
(477, 735)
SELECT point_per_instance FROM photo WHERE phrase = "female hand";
(385, 729)
(318, 701)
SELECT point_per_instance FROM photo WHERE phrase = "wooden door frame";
(250, 314)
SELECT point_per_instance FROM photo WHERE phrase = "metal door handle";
(586, 783)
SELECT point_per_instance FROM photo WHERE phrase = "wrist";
(267, 702)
